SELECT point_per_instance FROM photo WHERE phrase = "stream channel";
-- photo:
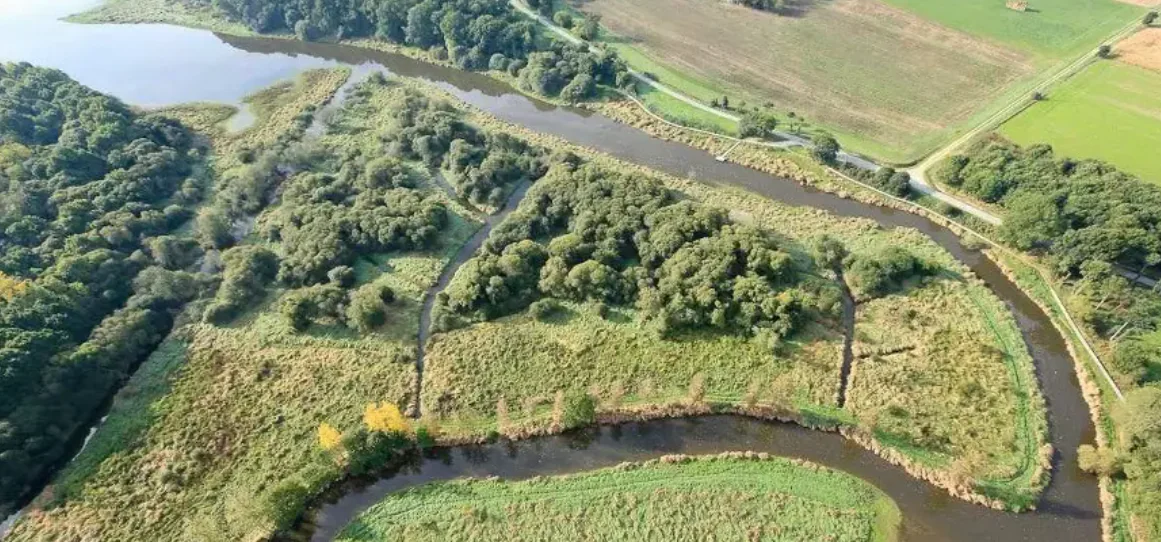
(156, 65)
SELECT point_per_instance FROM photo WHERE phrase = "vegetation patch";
(733, 496)
(1107, 112)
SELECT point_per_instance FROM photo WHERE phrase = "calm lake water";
(155, 65)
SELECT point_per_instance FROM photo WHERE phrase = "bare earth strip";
(859, 65)
(1142, 49)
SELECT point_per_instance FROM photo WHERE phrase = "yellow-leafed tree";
(386, 418)
(10, 287)
(329, 437)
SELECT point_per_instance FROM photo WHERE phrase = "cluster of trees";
(590, 234)
(88, 189)
(886, 270)
(474, 34)
(1095, 225)
(482, 165)
(1075, 210)
(896, 183)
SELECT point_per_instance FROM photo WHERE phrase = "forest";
(91, 282)
(474, 35)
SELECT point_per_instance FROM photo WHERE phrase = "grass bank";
(727, 497)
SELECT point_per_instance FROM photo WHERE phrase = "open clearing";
(1111, 111)
(724, 497)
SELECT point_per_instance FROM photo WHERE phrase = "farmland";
(892, 79)
(728, 497)
(1107, 112)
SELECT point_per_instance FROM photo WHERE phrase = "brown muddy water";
(155, 65)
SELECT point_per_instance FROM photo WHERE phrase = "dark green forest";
(474, 35)
(88, 189)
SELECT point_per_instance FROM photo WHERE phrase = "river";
(156, 65)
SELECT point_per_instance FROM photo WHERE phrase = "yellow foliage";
(385, 418)
(10, 287)
(329, 437)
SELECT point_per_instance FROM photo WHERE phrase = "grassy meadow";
(1111, 111)
(727, 497)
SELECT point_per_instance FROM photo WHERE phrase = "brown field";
(1142, 49)
(860, 66)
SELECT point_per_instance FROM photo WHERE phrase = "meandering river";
(155, 65)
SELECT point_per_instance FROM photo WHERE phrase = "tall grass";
(728, 497)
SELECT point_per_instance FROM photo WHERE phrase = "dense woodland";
(586, 233)
(475, 35)
(89, 282)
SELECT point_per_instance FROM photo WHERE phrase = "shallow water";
(155, 65)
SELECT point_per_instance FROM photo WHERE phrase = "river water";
(155, 65)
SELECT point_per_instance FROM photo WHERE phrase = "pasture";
(1111, 111)
(727, 497)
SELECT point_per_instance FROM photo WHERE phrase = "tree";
(756, 124)
(329, 438)
(563, 18)
(828, 251)
(1150, 18)
(1104, 51)
(581, 87)
(826, 148)
(385, 418)
(589, 28)
(212, 228)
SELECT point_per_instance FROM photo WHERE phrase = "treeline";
(88, 188)
(473, 34)
(586, 233)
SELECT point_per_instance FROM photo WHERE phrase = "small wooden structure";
(1017, 5)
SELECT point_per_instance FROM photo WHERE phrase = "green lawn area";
(705, 498)
(1111, 111)
(1050, 28)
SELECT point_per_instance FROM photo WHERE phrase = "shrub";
(544, 309)
(562, 18)
(579, 410)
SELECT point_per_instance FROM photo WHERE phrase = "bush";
(544, 309)
(342, 276)
(367, 309)
(579, 410)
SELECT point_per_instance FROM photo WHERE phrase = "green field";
(1111, 111)
(728, 497)
(1052, 29)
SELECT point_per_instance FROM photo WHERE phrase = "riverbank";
(779, 187)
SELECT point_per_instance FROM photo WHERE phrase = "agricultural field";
(1111, 111)
(892, 80)
(727, 497)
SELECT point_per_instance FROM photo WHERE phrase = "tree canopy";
(88, 190)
